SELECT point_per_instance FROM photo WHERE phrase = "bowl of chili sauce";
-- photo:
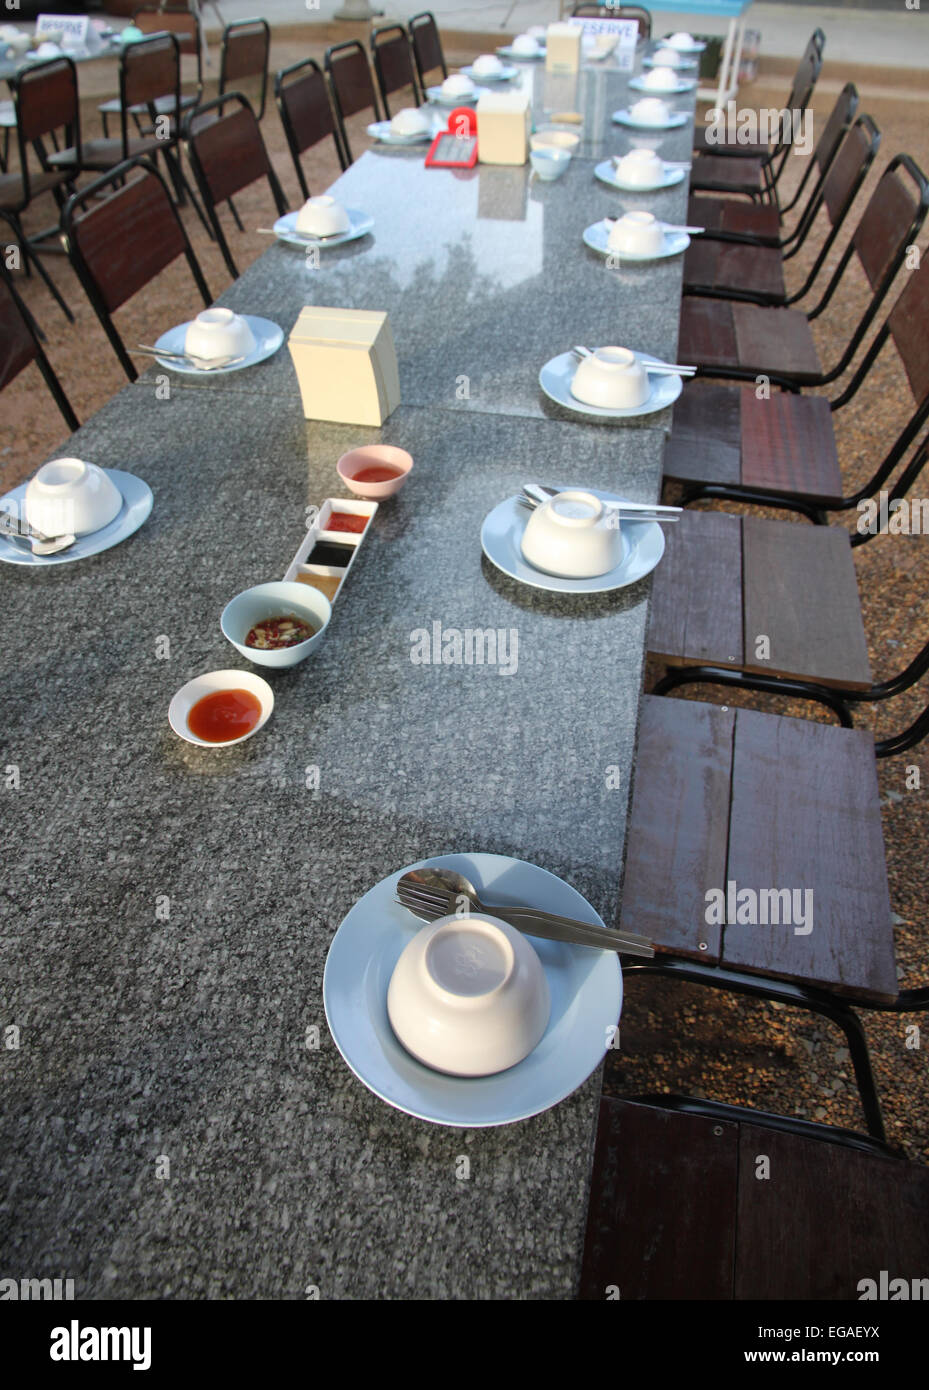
(262, 621)
(377, 471)
(220, 708)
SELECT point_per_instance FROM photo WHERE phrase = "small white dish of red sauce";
(262, 611)
(220, 708)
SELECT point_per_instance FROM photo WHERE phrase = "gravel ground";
(674, 1037)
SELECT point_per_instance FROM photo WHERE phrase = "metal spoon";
(651, 364)
(41, 544)
(534, 494)
(203, 364)
(432, 893)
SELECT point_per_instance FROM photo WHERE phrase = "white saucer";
(137, 503)
(585, 986)
(693, 48)
(606, 173)
(556, 376)
(506, 51)
(285, 229)
(436, 95)
(380, 130)
(506, 75)
(268, 338)
(684, 84)
(674, 121)
(597, 236)
(501, 538)
(679, 67)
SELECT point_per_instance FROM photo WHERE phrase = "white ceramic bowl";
(549, 139)
(661, 80)
(612, 377)
(680, 41)
(524, 46)
(487, 65)
(322, 216)
(279, 599)
(409, 121)
(549, 163)
(643, 168)
(458, 85)
(469, 996)
(638, 233)
(219, 333)
(667, 57)
(651, 111)
(573, 535)
(188, 695)
(68, 497)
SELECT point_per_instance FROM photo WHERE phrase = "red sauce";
(376, 474)
(224, 715)
(346, 521)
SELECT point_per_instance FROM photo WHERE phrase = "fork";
(203, 364)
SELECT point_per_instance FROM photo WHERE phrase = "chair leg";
(31, 257)
(770, 685)
(695, 492)
(235, 214)
(184, 189)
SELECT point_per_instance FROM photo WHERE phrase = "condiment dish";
(374, 458)
(275, 600)
(209, 684)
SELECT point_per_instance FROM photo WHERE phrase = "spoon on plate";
(434, 893)
(20, 530)
(651, 364)
(534, 494)
(203, 364)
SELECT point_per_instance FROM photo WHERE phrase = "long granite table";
(168, 909)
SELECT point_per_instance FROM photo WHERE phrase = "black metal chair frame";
(112, 182)
(281, 84)
(418, 21)
(377, 42)
(223, 59)
(277, 192)
(356, 46)
(42, 362)
(112, 108)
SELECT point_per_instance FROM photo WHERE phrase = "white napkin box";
(503, 125)
(346, 365)
(563, 47)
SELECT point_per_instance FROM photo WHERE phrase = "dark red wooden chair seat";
(726, 265)
(13, 194)
(726, 435)
(717, 173)
(103, 155)
(749, 337)
(749, 149)
(723, 215)
(767, 802)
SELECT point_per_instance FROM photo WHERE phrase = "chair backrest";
(120, 237)
(350, 80)
(19, 345)
(852, 161)
(45, 99)
(245, 53)
(228, 154)
(183, 24)
(427, 46)
(149, 72)
(908, 324)
(840, 118)
(610, 11)
(393, 62)
(302, 96)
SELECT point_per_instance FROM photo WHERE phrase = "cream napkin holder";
(346, 365)
(503, 125)
(563, 47)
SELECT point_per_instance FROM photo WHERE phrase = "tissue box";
(346, 365)
(563, 43)
(503, 124)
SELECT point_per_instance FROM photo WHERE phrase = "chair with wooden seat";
(7, 124)
(45, 102)
(20, 345)
(302, 96)
(733, 219)
(743, 269)
(427, 46)
(227, 153)
(726, 338)
(750, 147)
(244, 57)
(393, 63)
(637, 12)
(678, 1209)
(758, 176)
(185, 26)
(755, 864)
(779, 449)
(121, 230)
(351, 84)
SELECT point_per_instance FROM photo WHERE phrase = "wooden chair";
(185, 26)
(46, 106)
(743, 269)
(427, 46)
(732, 799)
(245, 54)
(227, 153)
(20, 345)
(754, 149)
(759, 224)
(352, 88)
(120, 233)
(678, 1211)
(609, 11)
(736, 340)
(393, 63)
(781, 452)
(758, 176)
(7, 124)
(302, 96)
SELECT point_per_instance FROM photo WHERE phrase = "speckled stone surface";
(186, 1038)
